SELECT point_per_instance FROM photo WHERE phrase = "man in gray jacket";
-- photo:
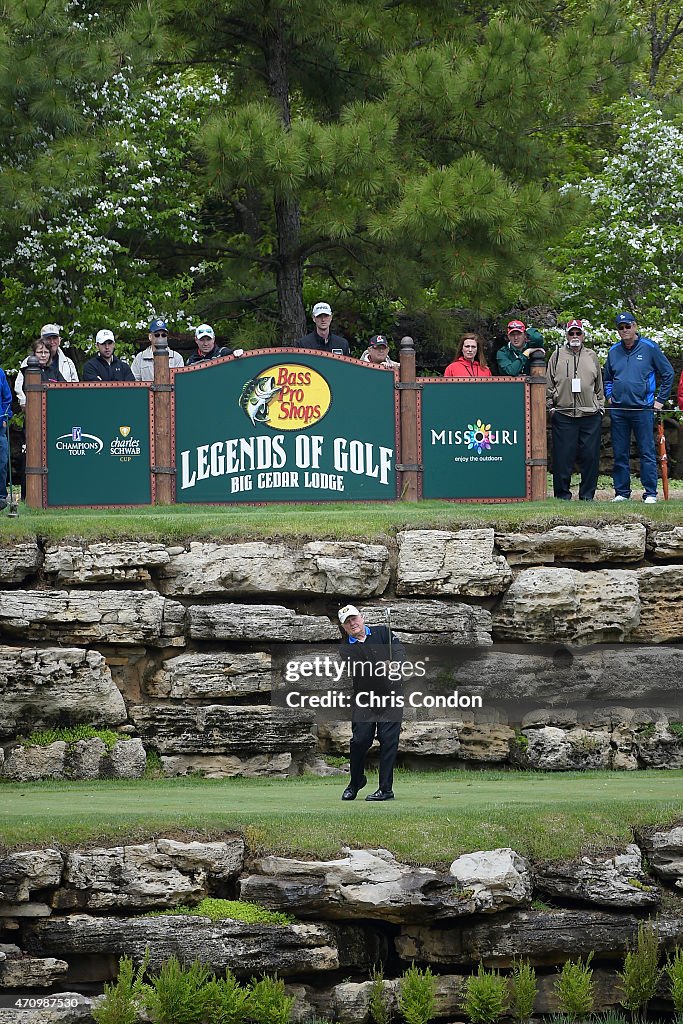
(576, 404)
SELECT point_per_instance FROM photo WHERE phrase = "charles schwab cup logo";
(286, 397)
(78, 442)
(125, 447)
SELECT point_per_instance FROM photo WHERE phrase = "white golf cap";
(346, 612)
(49, 329)
(103, 336)
(320, 308)
(204, 331)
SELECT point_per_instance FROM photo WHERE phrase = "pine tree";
(396, 147)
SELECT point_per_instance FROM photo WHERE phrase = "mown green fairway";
(434, 817)
(379, 519)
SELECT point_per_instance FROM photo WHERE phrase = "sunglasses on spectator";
(574, 334)
(161, 334)
(625, 327)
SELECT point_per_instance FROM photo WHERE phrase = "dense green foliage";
(234, 161)
(289, 150)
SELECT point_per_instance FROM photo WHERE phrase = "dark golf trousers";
(576, 437)
(361, 740)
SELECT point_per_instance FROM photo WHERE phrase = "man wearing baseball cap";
(105, 366)
(363, 649)
(207, 349)
(513, 358)
(633, 365)
(320, 338)
(576, 403)
(377, 352)
(143, 364)
(60, 363)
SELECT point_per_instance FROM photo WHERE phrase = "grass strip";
(381, 520)
(435, 817)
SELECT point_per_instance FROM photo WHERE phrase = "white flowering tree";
(628, 251)
(122, 246)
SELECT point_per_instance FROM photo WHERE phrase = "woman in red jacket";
(470, 360)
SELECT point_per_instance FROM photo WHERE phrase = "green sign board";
(98, 445)
(474, 439)
(285, 426)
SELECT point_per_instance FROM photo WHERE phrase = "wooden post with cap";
(408, 421)
(162, 469)
(33, 424)
(538, 417)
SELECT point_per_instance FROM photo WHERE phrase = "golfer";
(371, 653)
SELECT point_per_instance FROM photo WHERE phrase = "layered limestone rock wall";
(173, 647)
(67, 917)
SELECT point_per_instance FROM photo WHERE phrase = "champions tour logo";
(286, 397)
(479, 438)
(77, 442)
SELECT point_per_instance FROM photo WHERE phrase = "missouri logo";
(286, 397)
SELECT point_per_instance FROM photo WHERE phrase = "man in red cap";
(513, 358)
(576, 404)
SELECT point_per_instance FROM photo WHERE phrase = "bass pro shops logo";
(286, 397)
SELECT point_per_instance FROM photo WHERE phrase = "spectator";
(105, 365)
(207, 348)
(61, 363)
(470, 358)
(143, 364)
(576, 403)
(320, 339)
(630, 376)
(48, 375)
(5, 417)
(377, 353)
(680, 393)
(513, 358)
(368, 646)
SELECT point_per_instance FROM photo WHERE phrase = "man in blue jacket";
(630, 377)
(5, 416)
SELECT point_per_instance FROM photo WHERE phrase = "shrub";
(227, 910)
(522, 988)
(485, 996)
(267, 1002)
(674, 969)
(416, 995)
(226, 1001)
(178, 995)
(122, 998)
(574, 988)
(380, 1013)
(641, 973)
(70, 734)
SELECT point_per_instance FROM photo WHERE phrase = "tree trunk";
(289, 274)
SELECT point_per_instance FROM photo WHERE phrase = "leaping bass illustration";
(257, 394)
